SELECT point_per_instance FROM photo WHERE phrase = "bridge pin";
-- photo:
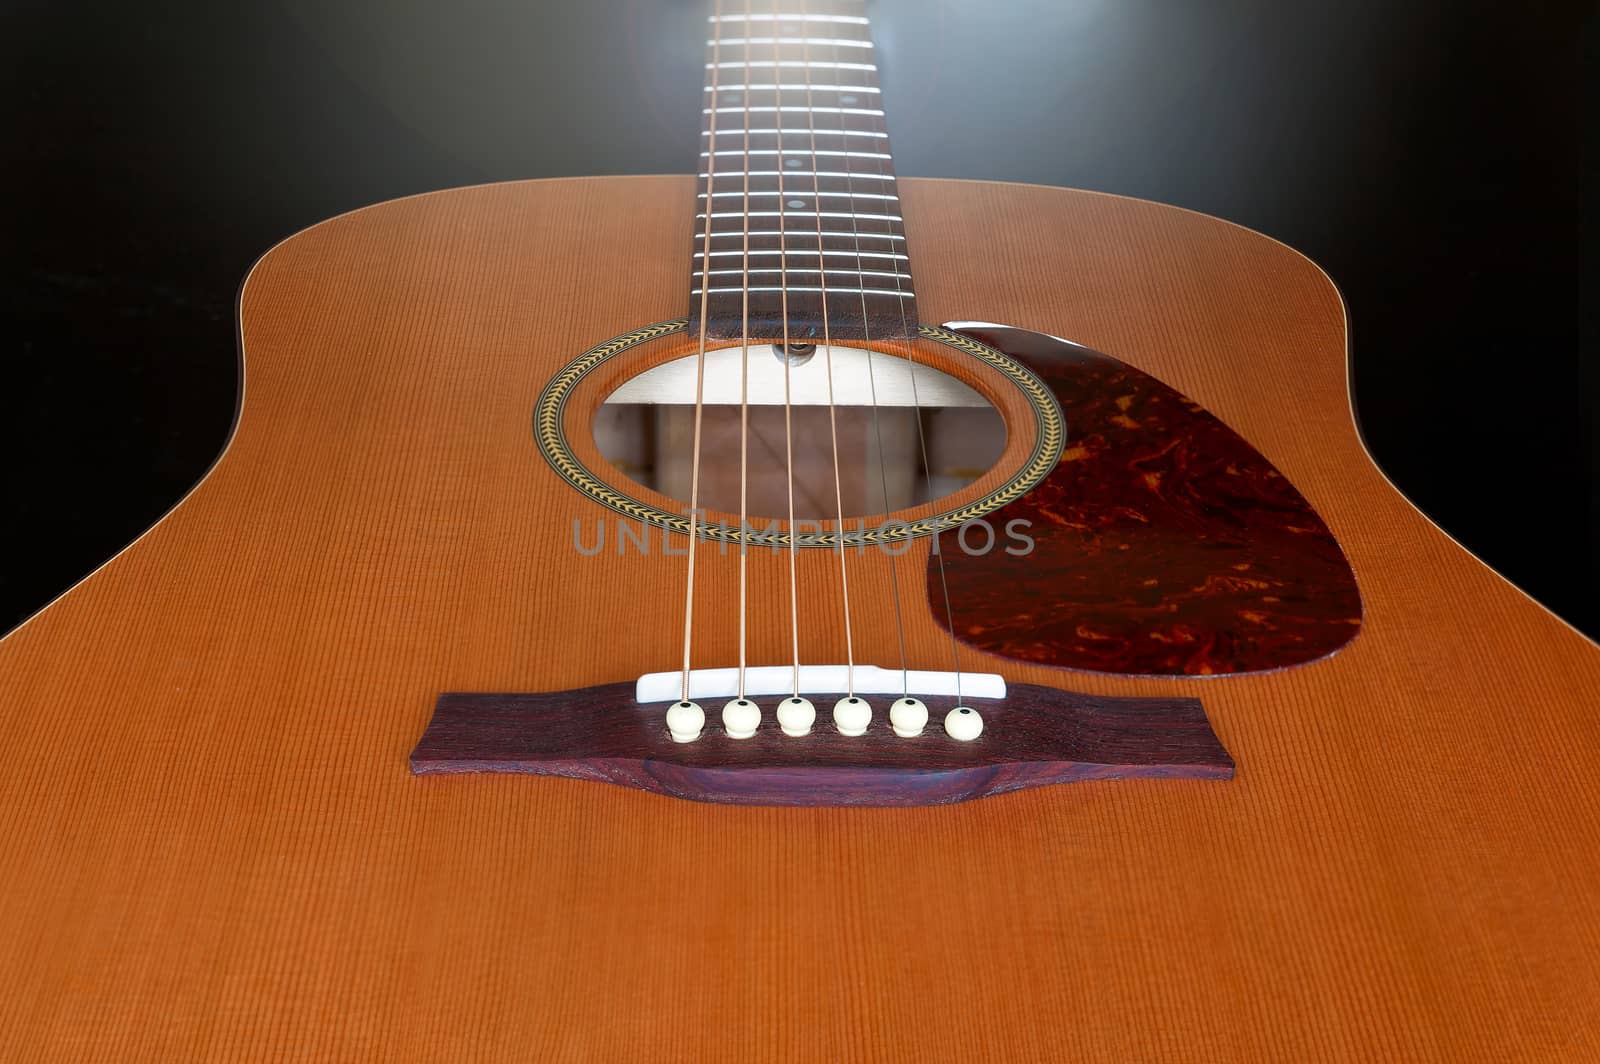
(684, 721)
(796, 715)
(741, 718)
(908, 716)
(963, 724)
(851, 715)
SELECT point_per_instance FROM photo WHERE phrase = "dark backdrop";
(1426, 154)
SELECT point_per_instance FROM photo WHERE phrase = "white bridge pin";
(851, 715)
(685, 721)
(796, 715)
(908, 716)
(963, 724)
(740, 718)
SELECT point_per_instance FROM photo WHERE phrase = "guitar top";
(789, 611)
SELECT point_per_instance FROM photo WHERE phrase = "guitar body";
(214, 847)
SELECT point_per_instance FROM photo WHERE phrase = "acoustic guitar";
(787, 611)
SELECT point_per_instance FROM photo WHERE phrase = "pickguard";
(1163, 543)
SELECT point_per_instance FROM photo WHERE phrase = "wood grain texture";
(1161, 544)
(214, 850)
(1033, 737)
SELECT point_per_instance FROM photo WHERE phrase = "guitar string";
(927, 469)
(744, 366)
(700, 363)
(788, 423)
(877, 422)
(827, 353)
(922, 441)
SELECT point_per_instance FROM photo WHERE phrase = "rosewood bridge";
(1026, 736)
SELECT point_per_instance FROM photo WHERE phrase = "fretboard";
(802, 223)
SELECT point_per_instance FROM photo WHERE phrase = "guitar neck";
(798, 227)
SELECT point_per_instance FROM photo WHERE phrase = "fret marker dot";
(849, 99)
(797, 203)
(791, 162)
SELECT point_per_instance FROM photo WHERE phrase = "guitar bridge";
(1033, 736)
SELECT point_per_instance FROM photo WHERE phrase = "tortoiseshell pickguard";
(1164, 544)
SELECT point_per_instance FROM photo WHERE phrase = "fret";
(787, 132)
(773, 151)
(852, 20)
(799, 178)
(805, 251)
(797, 213)
(830, 270)
(858, 106)
(798, 86)
(808, 110)
(808, 42)
(857, 103)
(797, 183)
(773, 103)
(797, 173)
(854, 220)
(770, 289)
(800, 193)
(815, 64)
(825, 86)
(830, 273)
(827, 234)
(784, 271)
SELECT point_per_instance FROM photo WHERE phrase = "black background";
(1426, 154)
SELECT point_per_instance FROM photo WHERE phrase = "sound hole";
(906, 435)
